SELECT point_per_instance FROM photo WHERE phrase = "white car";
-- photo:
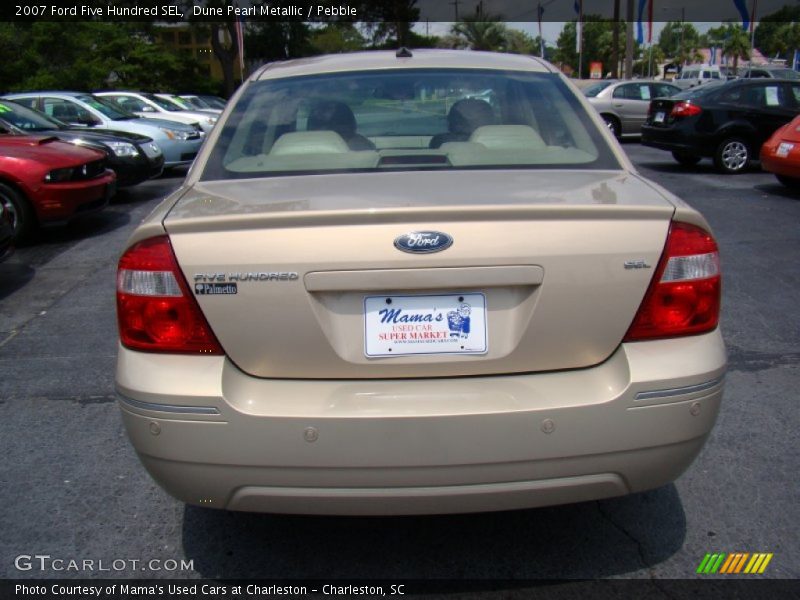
(370, 296)
(184, 104)
(151, 106)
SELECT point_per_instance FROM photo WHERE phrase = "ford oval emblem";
(422, 242)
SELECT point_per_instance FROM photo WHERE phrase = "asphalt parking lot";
(71, 486)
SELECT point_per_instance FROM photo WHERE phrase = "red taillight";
(155, 310)
(684, 295)
(684, 108)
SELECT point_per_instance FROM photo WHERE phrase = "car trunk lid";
(552, 266)
(659, 112)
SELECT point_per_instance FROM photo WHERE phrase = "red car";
(780, 154)
(44, 180)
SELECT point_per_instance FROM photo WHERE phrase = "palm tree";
(483, 34)
(736, 45)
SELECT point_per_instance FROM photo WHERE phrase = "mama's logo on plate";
(423, 242)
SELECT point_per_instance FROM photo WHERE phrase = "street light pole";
(629, 41)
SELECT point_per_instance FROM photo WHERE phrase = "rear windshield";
(407, 120)
(696, 92)
(596, 88)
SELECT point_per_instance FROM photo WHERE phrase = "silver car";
(623, 105)
(178, 142)
(151, 106)
(374, 295)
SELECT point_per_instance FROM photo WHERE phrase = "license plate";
(434, 324)
(783, 149)
(659, 118)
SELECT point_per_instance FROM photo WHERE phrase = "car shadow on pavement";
(704, 166)
(13, 276)
(778, 189)
(587, 540)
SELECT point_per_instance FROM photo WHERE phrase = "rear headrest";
(334, 116)
(309, 142)
(467, 115)
(508, 137)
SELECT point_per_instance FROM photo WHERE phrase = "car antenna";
(403, 52)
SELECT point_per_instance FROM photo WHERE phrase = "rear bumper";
(675, 140)
(213, 436)
(780, 165)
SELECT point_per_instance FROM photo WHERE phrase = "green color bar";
(718, 564)
(703, 563)
(711, 562)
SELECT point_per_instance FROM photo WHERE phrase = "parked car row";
(132, 156)
(728, 123)
(731, 122)
(63, 153)
(160, 106)
(178, 141)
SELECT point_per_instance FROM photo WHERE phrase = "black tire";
(23, 217)
(792, 183)
(613, 125)
(732, 156)
(687, 160)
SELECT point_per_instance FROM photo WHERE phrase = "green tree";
(785, 41)
(337, 37)
(651, 58)
(267, 41)
(736, 44)
(519, 42)
(453, 41)
(481, 32)
(680, 42)
(90, 55)
(388, 22)
(770, 31)
(598, 44)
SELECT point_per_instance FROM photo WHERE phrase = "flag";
(578, 5)
(741, 6)
(796, 60)
(650, 22)
(639, 27)
(712, 59)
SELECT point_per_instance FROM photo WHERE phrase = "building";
(197, 42)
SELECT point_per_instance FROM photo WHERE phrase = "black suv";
(726, 122)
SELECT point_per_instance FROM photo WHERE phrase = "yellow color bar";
(765, 563)
(754, 562)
